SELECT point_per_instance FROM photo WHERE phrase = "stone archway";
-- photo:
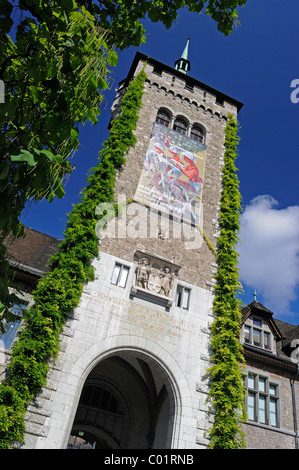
(127, 402)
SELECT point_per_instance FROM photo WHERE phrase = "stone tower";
(131, 373)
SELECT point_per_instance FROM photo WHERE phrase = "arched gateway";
(128, 401)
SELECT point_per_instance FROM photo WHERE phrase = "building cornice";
(269, 358)
(190, 81)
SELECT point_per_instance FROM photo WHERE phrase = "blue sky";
(256, 65)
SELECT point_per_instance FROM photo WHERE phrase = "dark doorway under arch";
(127, 403)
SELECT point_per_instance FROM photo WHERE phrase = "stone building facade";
(270, 379)
(131, 373)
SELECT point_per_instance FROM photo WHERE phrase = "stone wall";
(198, 264)
(107, 322)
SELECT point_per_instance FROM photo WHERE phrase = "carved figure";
(166, 282)
(153, 277)
(142, 273)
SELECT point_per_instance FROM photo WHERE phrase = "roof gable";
(256, 308)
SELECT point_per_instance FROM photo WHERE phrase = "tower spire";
(183, 64)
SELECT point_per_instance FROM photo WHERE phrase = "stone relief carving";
(154, 275)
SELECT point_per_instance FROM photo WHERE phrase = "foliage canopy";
(55, 70)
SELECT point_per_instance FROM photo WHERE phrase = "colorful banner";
(173, 173)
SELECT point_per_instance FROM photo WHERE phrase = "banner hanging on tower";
(172, 176)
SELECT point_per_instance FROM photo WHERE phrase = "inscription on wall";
(141, 316)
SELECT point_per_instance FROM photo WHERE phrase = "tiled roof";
(290, 335)
(32, 252)
(284, 327)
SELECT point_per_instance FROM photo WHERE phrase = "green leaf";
(112, 58)
(4, 169)
(23, 156)
(34, 94)
(102, 84)
(2, 309)
(59, 191)
(59, 159)
(46, 153)
(67, 4)
(52, 124)
(51, 70)
(9, 107)
(51, 197)
(68, 166)
(74, 138)
(5, 25)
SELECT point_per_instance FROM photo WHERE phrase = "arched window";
(180, 126)
(98, 397)
(163, 117)
(197, 133)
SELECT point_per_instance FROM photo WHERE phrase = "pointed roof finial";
(254, 295)
(183, 64)
(185, 51)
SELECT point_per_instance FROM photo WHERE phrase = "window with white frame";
(262, 400)
(182, 297)
(257, 333)
(11, 327)
(120, 275)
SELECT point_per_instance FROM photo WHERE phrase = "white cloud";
(269, 252)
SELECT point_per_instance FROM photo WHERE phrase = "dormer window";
(257, 333)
